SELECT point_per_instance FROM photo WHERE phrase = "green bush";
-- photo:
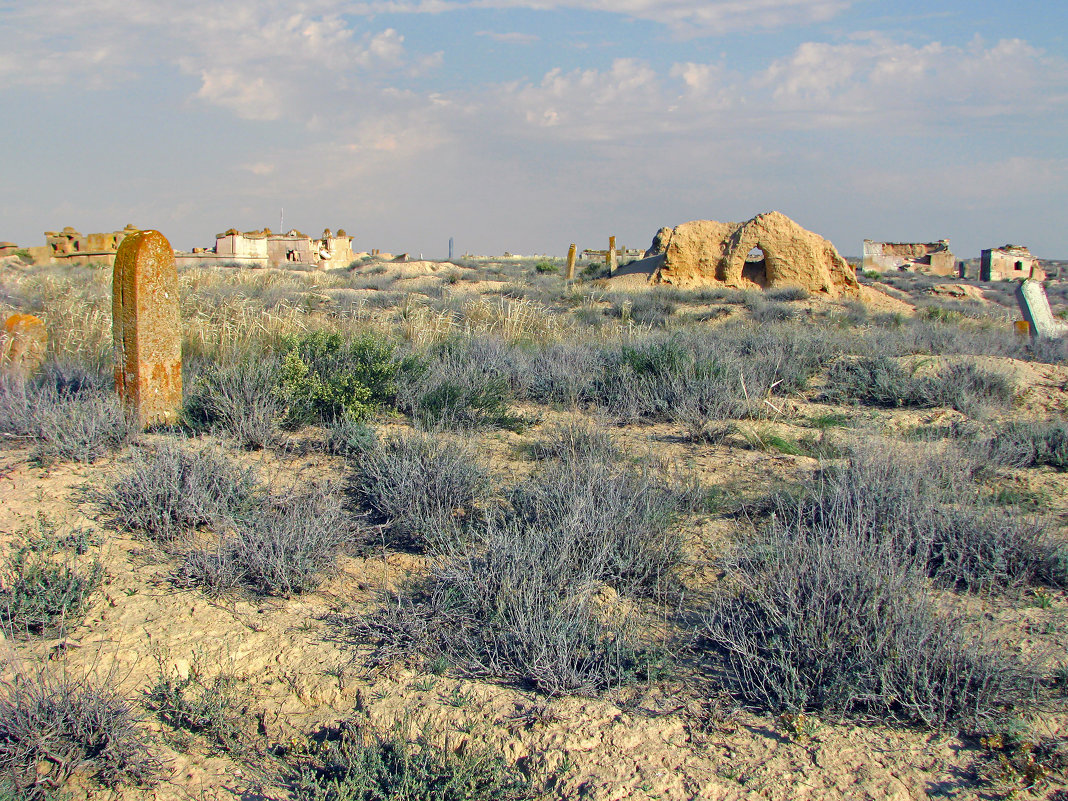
(323, 377)
(544, 267)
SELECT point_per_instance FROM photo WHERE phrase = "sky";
(525, 125)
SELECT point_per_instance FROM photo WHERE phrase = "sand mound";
(706, 252)
(408, 269)
(874, 297)
(959, 292)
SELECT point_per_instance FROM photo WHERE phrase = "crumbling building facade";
(934, 258)
(1006, 263)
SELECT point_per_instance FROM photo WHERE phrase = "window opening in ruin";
(1019, 265)
(755, 268)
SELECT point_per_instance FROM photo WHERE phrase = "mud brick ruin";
(768, 251)
(147, 329)
(250, 248)
(934, 258)
(1006, 263)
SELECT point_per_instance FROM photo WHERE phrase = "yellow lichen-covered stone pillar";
(611, 257)
(23, 344)
(147, 330)
(571, 262)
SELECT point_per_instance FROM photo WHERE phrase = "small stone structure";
(1006, 263)
(1034, 304)
(934, 258)
(23, 344)
(770, 250)
(146, 329)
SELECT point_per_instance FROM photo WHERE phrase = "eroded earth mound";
(706, 252)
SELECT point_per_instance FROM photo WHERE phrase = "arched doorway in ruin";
(755, 267)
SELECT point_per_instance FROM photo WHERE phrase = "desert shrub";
(648, 308)
(511, 609)
(882, 381)
(458, 404)
(523, 598)
(464, 383)
(39, 592)
(546, 267)
(819, 621)
(787, 293)
(168, 490)
(428, 489)
(324, 377)
(348, 437)
(241, 399)
(876, 381)
(54, 725)
(701, 375)
(281, 547)
(566, 374)
(771, 312)
(577, 440)
(66, 412)
(927, 508)
(1030, 445)
(1049, 351)
(971, 389)
(210, 707)
(615, 523)
(594, 270)
(363, 763)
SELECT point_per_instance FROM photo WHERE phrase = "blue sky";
(524, 125)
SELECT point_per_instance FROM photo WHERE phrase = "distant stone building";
(71, 247)
(1006, 263)
(934, 258)
(268, 249)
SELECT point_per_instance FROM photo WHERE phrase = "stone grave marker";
(23, 344)
(146, 328)
(1034, 304)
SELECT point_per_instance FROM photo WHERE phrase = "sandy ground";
(673, 740)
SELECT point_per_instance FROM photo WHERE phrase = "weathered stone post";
(571, 263)
(146, 328)
(23, 344)
(1034, 304)
(612, 260)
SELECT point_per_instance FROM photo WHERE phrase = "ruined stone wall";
(910, 255)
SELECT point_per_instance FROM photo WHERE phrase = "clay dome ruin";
(768, 251)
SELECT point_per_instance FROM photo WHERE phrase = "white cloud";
(511, 37)
(249, 97)
(875, 79)
(686, 17)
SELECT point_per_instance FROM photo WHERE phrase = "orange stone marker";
(23, 344)
(571, 262)
(147, 329)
